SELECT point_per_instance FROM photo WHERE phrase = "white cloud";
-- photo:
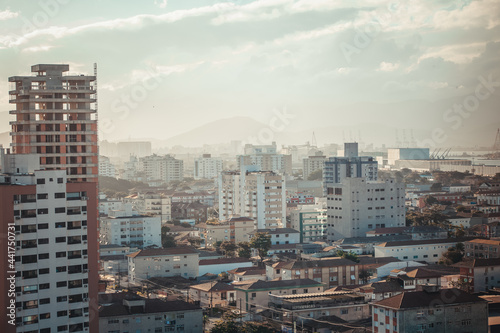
(40, 48)
(387, 67)
(161, 3)
(457, 53)
(7, 14)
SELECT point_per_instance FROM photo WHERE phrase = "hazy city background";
(177, 72)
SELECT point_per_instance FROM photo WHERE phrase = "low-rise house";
(480, 274)
(457, 188)
(217, 266)
(255, 295)
(429, 251)
(348, 306)
(173, 261)
(382, 266)
(113, 258)
(247, 273)
(488, 197)
(411, 278)
(234, 230)
(367, 243)
(433, 310)
(482, 248)
(380, 290)
(194, 210)
(330, 272)
(279, 235)
(136, 314)
(416, 232)
(212, 294)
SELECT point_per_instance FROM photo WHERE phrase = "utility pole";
(211, 300)
(241, 316)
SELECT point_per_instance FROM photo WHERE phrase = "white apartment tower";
(165, 168)
(259, 195)
(127, 227)
(207, 167)
(357, 205)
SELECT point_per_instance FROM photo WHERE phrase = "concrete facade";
(178, 261)
(357, 206)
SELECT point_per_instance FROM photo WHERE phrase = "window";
(60, 210)
(40, 181)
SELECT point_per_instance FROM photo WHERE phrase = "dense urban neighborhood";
(249, 166)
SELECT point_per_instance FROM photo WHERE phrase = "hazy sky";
(166, 67)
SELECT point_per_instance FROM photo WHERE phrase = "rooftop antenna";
(413, 143)
(398, 142)
(313, 142)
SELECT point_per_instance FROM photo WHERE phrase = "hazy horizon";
(363, 69)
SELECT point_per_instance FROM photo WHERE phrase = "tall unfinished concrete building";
(56, 118)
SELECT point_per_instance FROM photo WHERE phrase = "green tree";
(228, 248)
(364, 276)
(228, 324)
(244, 250)
(436, 187)
(261, 241)
(185, 225)
(453, 255)
(348, 255)
(316, 175)
(168, 241)
(430, 200)
(463, 284)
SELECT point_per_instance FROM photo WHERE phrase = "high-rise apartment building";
(266, 158)
(48, 205)
(165, 168)
(357, 205)
(207, 167)
(312, 164)
(259, 195)
(50, 251)
(350, 165)
(55, 119)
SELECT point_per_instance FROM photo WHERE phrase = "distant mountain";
(217, 132)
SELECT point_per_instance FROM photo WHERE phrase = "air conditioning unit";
(84, 227)
(86, 329)
(84, 213)
(85, 198)
(16, 202)
(86, 315)
(19, 294)
(85, 271)
(84, 242)
(18, 232)
(85, 286)
(18, 247)
(19, 309)
(85, 299)
(18, 217)
(85, 257)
